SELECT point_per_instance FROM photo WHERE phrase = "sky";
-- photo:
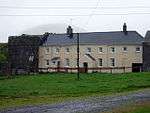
(27, 16)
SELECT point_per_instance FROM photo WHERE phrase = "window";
(112, 61)
(53, 62)
(67, 50)
(100, 49)
(112, 49)
(125, 49)
(57, 50)
(89, 50)
(67, 62)
(47, 50)
(138, 49)
(100, 62)
(47, 62)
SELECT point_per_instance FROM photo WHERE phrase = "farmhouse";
(119, 51)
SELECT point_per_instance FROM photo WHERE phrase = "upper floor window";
(112, 49)
(57, 50)
(112, 62)
(100, 49)
(125, 49)
(67, 50)
(100, 62)
(47, 50)
(138, 49)
(89, 50)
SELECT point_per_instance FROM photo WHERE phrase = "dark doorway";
(58, 66)
(137, 67)
(85, 65)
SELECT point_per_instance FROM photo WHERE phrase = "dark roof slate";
(147, 36)
(96, 38)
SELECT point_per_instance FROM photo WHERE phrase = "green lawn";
(56, 87)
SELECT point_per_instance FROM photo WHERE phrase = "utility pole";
(78, 52)
(70, 35)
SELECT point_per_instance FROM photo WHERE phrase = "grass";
(57, 87)
(143, 107)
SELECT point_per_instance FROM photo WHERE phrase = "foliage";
(3, 55)
(3, 52)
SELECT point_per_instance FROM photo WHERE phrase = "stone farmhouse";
(101, 50)
(116, 52)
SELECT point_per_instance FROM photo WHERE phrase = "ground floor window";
(112, 62)
(100, 62)
(67, 62)
(47, 62)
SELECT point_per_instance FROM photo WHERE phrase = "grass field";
(56, 87)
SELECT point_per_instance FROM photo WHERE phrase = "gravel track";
(90, 105)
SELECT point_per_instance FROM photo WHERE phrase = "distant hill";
(51, 28)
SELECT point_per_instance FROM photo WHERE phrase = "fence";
(97, 69)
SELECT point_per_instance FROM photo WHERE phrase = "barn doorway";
(137, 67)
(85, 66)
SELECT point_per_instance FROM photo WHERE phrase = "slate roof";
(96, 38)
(147, 37)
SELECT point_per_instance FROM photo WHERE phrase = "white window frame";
(125, 50)
(112, 62)
(67, 62)
(57, 50)
(67, 49)
(113, 49)
(87, 50)
(100, 62)
(138, 50)
(100, 49)
(47, 50)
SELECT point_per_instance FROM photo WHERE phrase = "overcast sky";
(17, 16)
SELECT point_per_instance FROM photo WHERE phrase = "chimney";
(70, 31)
(125, 29)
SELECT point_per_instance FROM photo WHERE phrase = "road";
(89, 105)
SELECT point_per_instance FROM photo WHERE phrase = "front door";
(58, 66)
(85, 66)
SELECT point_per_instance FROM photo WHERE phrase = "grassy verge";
(57, 87)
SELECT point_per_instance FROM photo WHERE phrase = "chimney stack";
(125, 29)
(70, 31)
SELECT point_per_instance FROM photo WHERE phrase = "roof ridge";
(94, 32)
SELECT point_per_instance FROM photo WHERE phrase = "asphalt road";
(90, 105)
